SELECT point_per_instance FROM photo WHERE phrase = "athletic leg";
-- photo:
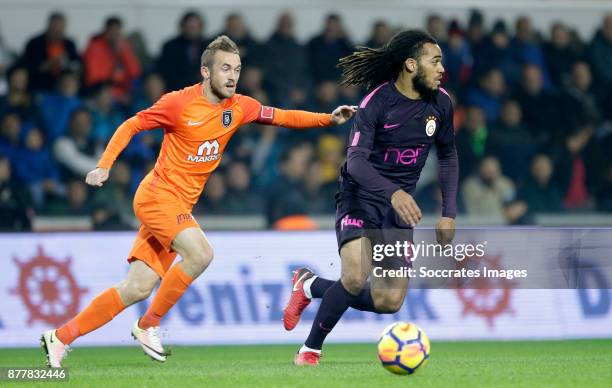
(102, 309)
(196, 253)
(356, 263)
(385, 294)
(137, 286)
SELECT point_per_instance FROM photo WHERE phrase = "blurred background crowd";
(533, 114)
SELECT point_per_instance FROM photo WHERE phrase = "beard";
(421, 86)
(218, 92)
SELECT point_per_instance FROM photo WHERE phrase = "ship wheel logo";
(47, 289)
(487, 297)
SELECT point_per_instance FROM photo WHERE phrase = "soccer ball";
(403, 348)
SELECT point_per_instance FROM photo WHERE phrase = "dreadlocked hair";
(370, 67)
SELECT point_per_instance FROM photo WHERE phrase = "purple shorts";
(358, 217)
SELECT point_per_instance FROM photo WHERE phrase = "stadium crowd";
(533, 114)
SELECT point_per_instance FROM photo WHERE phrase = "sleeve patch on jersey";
(266, 115)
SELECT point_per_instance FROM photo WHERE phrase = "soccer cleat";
(307, 359)
(54, 348)
(149, 341)
(298, 300)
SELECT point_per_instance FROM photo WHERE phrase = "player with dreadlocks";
(404, 113)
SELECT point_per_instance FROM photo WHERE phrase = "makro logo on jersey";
(207, 152)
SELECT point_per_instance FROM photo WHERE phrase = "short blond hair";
(221, 43)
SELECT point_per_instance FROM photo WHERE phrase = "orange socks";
(108, 304)
(101, 310)
(172, 287)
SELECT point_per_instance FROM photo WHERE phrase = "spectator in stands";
(604, 196)
(331, 154)
(600, 60)
(489, 94)
(436, 26)
(104, 218)
(327, 95)
(600, 52)
(76, 203)
(351, 94)
(487, 193)
(251, 84)
(179, 62)
(112, 204)
(471, 141)
(381, 34)
(286, 65)
(240, 198)
(141, 51)
(254, 144)
(50, 54)
(457, 58)
(236, 29)
(561, 52)
(459, 110)
(6, 60)
(143, 147)
(578, 161)
(15, 208)
(578, 101)
(213, 201)
(525, 48)
(495, 53)
(36, 170)
(539, 107)
(540, 192)
(56, 106)
(76, 151)
(511, 142)
(153, 88)
(284, 197)
(105, 115)
(475, 33)
(10, 135)
(109, 58)
(18, 99)
(317, 194)
(327, 48)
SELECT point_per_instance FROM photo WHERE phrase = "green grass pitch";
(581, 363)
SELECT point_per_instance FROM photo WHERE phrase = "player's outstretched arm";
(121, 138)
(303, 119)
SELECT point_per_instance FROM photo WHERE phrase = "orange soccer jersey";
(196, 133)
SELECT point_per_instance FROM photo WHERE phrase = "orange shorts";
(163, 216)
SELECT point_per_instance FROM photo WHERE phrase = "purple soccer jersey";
(390, 141)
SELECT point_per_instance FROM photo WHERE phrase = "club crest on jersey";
(430, 126)
(226, 118)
